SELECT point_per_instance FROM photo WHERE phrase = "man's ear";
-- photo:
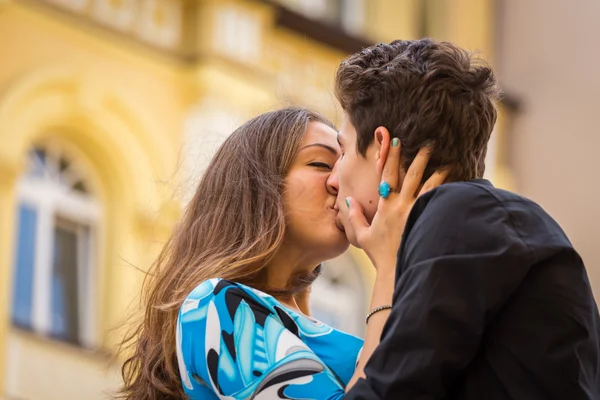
(382, 147)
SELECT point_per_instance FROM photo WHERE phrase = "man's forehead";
(345, 131)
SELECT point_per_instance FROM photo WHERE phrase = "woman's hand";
(381, 239)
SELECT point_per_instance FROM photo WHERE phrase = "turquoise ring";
(385, 189)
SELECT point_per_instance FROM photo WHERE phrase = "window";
(53, 294)
(349, 14)
(160, 22)
(206, 127)
(237, 33)
(352, 14)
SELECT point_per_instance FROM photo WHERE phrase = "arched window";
(54, 274)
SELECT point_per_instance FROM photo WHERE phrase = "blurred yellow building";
(110, 110)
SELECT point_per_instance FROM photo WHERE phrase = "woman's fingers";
(392, 165)
(414, 175)
(435, 180)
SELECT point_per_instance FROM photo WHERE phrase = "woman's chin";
(339, 245)
(328, 242)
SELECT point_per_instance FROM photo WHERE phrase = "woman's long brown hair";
(231, 229)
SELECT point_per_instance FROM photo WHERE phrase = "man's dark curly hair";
(422, 91)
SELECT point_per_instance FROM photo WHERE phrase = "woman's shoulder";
(216, 285)
(224, 294)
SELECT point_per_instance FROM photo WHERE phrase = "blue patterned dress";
(235, 342)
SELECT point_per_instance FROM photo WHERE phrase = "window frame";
(53, 200)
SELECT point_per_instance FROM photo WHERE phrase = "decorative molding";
(120, 15)
(61, 101)
(10, 172)
(74, 5)
(160, 22)
(127, 28)
(180, 40)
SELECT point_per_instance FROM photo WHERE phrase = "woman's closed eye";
(320, 165)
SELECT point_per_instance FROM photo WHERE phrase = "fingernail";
(429, 144)
(395, 142)
(348, 202)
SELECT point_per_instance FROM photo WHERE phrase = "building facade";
(552, 143)
(109, 112)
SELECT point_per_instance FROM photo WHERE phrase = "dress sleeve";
(233, 344)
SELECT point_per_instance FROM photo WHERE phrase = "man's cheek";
(345, 183)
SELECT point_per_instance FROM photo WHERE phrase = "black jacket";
(491, 302)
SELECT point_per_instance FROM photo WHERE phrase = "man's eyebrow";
(329, 148)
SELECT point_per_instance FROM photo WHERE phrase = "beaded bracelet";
(376, 310)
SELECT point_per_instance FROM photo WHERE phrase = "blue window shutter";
(22, 305)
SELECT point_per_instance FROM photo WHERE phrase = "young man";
(491, 301)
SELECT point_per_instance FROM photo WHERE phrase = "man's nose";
(333, 182)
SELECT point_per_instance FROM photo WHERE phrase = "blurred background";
(111, 109)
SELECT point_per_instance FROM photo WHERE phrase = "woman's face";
(310, 207)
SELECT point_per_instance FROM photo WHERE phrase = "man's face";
(355, 176)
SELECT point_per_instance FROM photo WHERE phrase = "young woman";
(227, 302)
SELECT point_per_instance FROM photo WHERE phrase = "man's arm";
(461, 261)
